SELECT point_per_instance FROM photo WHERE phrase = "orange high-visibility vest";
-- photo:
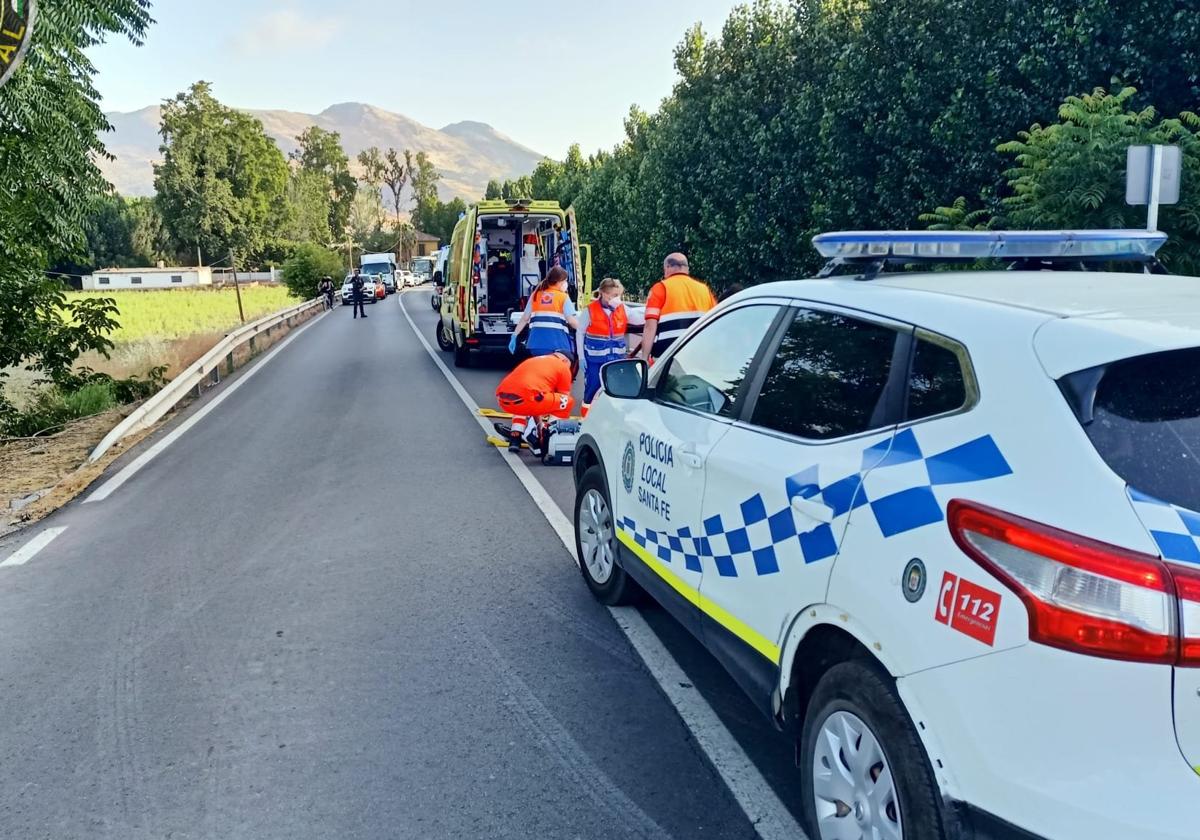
(677, 302)
(548, 322)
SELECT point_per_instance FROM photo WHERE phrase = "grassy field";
(178, 313)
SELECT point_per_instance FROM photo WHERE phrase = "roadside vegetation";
(814, 115)
(179, 313)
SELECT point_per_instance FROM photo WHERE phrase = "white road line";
(109, 487)
(770, 818)
(25, 553)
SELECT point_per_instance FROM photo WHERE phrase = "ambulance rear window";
(1144, 420)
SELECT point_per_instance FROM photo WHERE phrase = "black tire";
(462, 356)
(445, 343)
(619, 589)
(865, 691)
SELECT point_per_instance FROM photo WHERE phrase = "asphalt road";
(329, 610)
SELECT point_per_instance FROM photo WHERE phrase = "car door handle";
(813, 510)
(691, 459)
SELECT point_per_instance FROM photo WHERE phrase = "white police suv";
(944, 528)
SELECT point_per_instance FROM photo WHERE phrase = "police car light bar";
(934, 245)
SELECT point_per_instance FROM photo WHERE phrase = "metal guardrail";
(208, 366)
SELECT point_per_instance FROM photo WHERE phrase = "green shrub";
(305, 268)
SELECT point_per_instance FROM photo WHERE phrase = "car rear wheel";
(863, 769)
(596, 543)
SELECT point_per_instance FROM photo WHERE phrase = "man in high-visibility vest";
(675, 303)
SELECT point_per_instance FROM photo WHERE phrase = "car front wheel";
(863, 769)
(596, 543)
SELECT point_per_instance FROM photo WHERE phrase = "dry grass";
(53, 463)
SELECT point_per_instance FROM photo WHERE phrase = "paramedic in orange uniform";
(675, 303)
(538, 386)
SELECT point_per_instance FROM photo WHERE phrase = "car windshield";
(1145, 422)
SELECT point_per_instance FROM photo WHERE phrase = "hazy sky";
(545, 74)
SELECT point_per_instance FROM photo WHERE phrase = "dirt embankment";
(39, 475)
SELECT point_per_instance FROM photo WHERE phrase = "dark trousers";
(358, 306)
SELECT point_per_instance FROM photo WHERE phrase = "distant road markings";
(109, 487)
(770, 818)
(26, 552)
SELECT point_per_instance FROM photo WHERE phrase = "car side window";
(828, 378)
(936, 383)
(707, 373)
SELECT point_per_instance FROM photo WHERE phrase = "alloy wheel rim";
(854, 791)
(596, 536)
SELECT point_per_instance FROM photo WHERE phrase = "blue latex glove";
(512, 344)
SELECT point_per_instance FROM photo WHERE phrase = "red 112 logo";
(968, 608)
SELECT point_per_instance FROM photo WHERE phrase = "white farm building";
(148, 278)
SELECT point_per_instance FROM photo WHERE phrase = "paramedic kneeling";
(601, 336)
(538, 386)
(675, 303)
(550, 315)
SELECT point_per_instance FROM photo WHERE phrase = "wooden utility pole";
(237, 289)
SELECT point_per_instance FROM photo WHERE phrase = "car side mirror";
(626, 379)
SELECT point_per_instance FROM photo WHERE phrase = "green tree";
(493, 191)
(957, 216)
(1071, 174)
(306, 266)
(320, 151)
(309, 201)
(50, 125)
(397, 169)
(442, 218)
(222, 182)
(149, 239)
(365, 212)
(374, 170)
(424, 179)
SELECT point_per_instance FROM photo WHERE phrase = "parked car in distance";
(371, 291)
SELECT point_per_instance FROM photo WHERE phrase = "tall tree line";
(814, 115)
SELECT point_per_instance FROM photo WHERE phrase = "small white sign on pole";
(1152, 175)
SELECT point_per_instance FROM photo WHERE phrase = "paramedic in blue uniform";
(550, 316)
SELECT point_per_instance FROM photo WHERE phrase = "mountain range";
(467, 154)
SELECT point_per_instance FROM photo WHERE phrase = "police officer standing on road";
(675, 303)
(356, 286)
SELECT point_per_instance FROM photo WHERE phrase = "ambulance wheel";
(462, 356)
(596, 543)
(862, 767)
(445, 343)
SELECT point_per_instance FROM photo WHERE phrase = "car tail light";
(1187, 587)
(1082, 595)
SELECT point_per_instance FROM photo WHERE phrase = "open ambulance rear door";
(581, 272)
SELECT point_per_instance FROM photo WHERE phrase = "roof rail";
(867, 253)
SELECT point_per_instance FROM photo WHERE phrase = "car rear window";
(1145, 422)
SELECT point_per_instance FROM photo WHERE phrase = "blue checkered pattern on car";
(735, 541)
(1176, 530)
